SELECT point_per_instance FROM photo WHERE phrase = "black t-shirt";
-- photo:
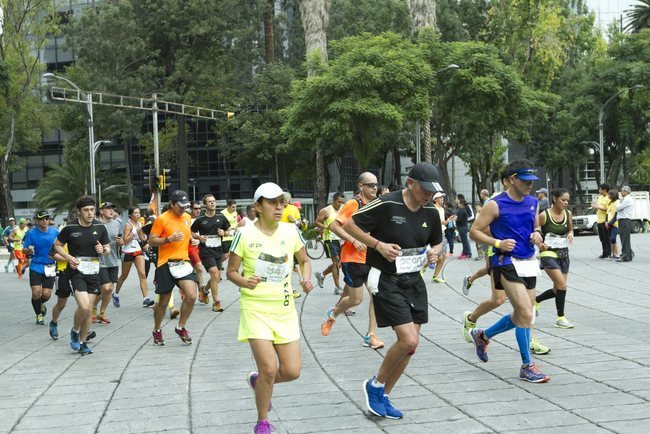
(463, 216)
(82, 240)
(388, 219)
(204, 225)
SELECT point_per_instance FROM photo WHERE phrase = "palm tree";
(638, 17)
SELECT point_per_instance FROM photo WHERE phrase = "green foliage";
(638, 18)
(166, 145)
(349, 18)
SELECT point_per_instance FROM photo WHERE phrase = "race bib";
(410, 260)
(555, 241)
(88, 265)
(50, 270)
(272, 269)
(213, 241)
(180, 269)
(373, 280)
(526, 267)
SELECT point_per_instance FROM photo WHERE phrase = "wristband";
(497, 244)
(376, 244)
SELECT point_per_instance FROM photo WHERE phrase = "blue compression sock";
(503, 325)
(523, 341)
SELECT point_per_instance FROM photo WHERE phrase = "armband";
(497, 244)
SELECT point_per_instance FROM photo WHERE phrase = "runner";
(233, 218)
(353, 257)
(133, 254)
(291, 214)
(16, 239)
(511, 218)
(249, 218)
(400, 228)
(268, 317)
(171, 234)
(42, 272)
(557, 229)
(208, 229)
(438, 202)
(86, 242)
(10, 248)
(332, 241)
(109, 264)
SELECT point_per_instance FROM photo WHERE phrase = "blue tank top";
(516, 221)
(42, 242)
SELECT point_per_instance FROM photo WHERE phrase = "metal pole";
(156, 156)
(91, 143)
(417, 141)
(601, 145)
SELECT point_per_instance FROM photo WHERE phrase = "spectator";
(542, 197)
(625, 210)
(464, 215)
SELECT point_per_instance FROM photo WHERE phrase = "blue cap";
(525, 174)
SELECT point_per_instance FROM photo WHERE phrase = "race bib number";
(410, 260)
(555, 241)
(50, 270)
(526, 267)
(213, 241)
(179, 269)
(373, 280)
(272, 269)
(88, 265)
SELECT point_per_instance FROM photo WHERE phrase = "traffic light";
(161, 179)
(229, 115)
(150, 178)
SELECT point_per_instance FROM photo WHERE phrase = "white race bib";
(272, 269)
(410, 260)
(526, 267)
(88, 265)
(180, 269)
(50, 270)
(555, 241)
(373, 280)
(213, 241)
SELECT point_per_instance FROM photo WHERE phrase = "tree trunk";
(315, 18)
(397, 168)
(181, 154)
(6, 201)
(269, 35)
(127, 162)
(423, 14)
(427, 141)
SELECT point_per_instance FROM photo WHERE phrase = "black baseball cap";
(42, 214)
(427, 175)
(180, 197)
(107, 205)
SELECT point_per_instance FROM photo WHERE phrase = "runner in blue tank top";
(511, 218)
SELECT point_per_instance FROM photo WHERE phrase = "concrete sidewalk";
(600, 376)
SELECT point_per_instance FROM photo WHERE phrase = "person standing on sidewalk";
(268, 318)
(463, 216)
(625, 210)
(353, 257)
(600, 205)
(171, 234)
(404, 234)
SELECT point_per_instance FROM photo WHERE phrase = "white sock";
(375, 383)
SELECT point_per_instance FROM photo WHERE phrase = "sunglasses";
(370, 184)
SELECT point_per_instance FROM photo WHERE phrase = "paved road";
(600, 374)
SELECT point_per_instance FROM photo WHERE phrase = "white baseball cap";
(268, 190)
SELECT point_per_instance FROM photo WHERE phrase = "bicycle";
(314, 247)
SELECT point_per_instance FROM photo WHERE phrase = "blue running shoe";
(480, 344)
(391, 412)
(374, 398)
(74, 340)
(54, 330)
(116, 300)
(84, 350)
(531, 374)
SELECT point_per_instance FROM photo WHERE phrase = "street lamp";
(418, 144)
(601, 133)
(596, 147)
(91, 132)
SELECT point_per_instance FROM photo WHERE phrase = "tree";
(315, 19)
(638, 17)
(24, 28)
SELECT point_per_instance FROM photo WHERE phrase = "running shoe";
(263, 427)
(438, 279)
(374, 398)
(184, 335)
(531, 374)
(39, 320)
(391, 412)
(467, 325)
(54, 330)
(204, 297)
(147, 302)
(74, 340)
(84, 350)
(338, 291)
(116, 300)
(296, 294)
(328, 322)
(563, 323)
(463, 256)
(103, 319)
(350, 312)
(91, 335)
(538, 348)
(320, 278)
(466, 285)
(251, 378)
(158, 337)
(216, 307)
(480, 344)
(94, 315)
(373, 342)
(43, 309)
(173, 313)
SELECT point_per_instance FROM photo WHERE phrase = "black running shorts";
(165, 282)
(510, 274)
(38, 279)
(108, 275)
(83, 282)
(549, 263)
(211, 258)
(63, 289)
(355, 274)
(333, 248)
(401, 299)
